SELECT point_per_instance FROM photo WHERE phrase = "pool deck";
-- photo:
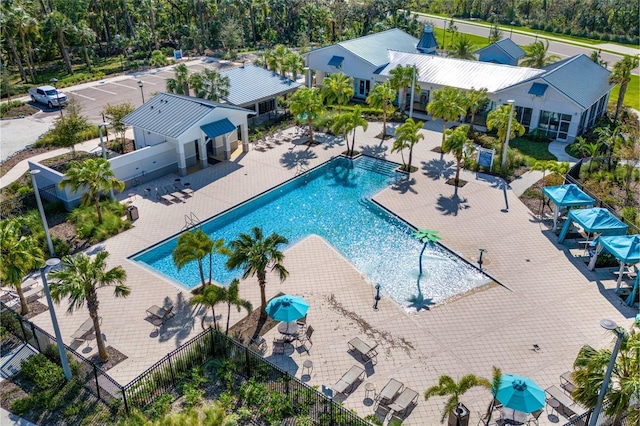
(547, 297)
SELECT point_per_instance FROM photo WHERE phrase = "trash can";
(132, 213)
(459, 416)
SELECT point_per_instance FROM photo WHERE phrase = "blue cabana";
(594, 220)
(564, 196)
(634, 292)
(626, 248)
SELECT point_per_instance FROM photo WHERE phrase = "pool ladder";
(190, 221)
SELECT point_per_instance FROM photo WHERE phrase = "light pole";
(444, 35)
(104, 153)
(536, 40)
(54, 81)
(53, 262)
(506, 140)
(141, 85)
(33, 174)
(413, 91)
(511, 34)
(377, 297)
(607, 324)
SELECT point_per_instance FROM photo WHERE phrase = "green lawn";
(632, 97)
(533, 151)
(479, 41)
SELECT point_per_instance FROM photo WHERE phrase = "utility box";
(132, 213)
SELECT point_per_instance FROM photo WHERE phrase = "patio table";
(288, 329)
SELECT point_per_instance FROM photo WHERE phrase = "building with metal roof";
(503, 51)
(199, 130)
(256, 88)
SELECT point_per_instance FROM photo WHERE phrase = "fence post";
(95, 374)
(33, 332)
(247, 362)
(173, 377)
(331, 421)
(213, 341)
(123, 389)
(24, 332)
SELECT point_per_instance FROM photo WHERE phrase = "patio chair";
(161, 314)
(534, 417)
(388, 393)
(348, 380)
(401, 404)
(258, 344)
(278, 346)
(306, 337)
(188, 192)
(302, 324)
(367, 353)
(172, 191)
(165, 197)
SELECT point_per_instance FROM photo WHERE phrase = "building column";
(227, 147)
(202, 150)
(182, 162)
(245, 137)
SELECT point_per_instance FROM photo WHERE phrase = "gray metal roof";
(579, 78)
(170, 115)
(508, 46)
(250, 84)
(373, 48)
(461, 73)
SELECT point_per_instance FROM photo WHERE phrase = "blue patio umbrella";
(520, 394)
(287, 308)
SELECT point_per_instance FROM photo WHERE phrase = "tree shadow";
(180, 326)
(297, 159)
(329, 141)
(450, 206)
(418, 300)
(342, 175)
(404, 185)
(378, 151)
(437, 168)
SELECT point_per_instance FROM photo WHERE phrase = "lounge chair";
(388, 393)
(348, 380)
(172, 191)
(366, 352)
(403, 401)
(86, 331)
(184, 190)
(161, 314)
(306, 337)
(165, 197)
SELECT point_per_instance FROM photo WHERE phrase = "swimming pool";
(334, 202)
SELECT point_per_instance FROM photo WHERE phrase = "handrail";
(190, 221)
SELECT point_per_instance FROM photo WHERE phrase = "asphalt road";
(559, 48)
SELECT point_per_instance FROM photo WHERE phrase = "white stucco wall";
(352, 65)
(144, 161)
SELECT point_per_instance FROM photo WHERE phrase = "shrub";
(5, 107)
(160, 407)
(45, 374)
(85, 219)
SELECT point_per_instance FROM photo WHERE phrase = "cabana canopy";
(566, 196)
(626, 248)
(594, 220)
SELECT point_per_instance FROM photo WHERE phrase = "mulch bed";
(461, 182)
(252, 326)
(115, 358)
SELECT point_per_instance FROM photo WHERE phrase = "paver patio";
(546, 295)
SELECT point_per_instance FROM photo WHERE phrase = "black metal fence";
(165, 376)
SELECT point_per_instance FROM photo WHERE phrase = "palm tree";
(306, 104)
(295, 63)
(382, 97)
(427, 236)
(19, 254)
(9, 33)
(93, 175)
(621, 74)
(85, 36)
(449, 104)
(407, 135)
(349, 122)
(455, 142)
(589, 370)
(255, 254)
(475, 99)
(210, 84)
(232, 297)
(337, 89)
(499, 119)
(80, 279)
(496, 382)
(448, 387)
(194, 247)
(24, 23)
(401, 78)
(180, 84)
(211, 295)
(536, 55)
(61, 25)
(463, 48)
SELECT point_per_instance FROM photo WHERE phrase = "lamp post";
(536, 40)
(413, 91)
(506, 140)
(54, 81)
(480, 258)
(45, 225)
(377, 298)
(607, 324)
(104, 153)
(141, 85)
(444, 35)
(52, 262)
(511, 34)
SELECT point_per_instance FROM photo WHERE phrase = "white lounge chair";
(388, 393)
(348, 380)
(402, 402)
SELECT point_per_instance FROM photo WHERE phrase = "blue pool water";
(333, 201)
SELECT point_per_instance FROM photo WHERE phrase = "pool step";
(384, 168)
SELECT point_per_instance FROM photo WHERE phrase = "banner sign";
(177, 54)
(485, 157)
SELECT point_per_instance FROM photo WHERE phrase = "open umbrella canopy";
(287, 308)
(520, 394)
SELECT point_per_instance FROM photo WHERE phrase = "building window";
(363, 87)
(266, 106)
(554, 124)
(583, 118)
(592, 115)
(523, 115)
(602, 106)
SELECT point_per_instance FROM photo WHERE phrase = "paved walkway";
(547, 297)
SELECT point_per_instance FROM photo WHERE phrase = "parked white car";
(48, 95)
